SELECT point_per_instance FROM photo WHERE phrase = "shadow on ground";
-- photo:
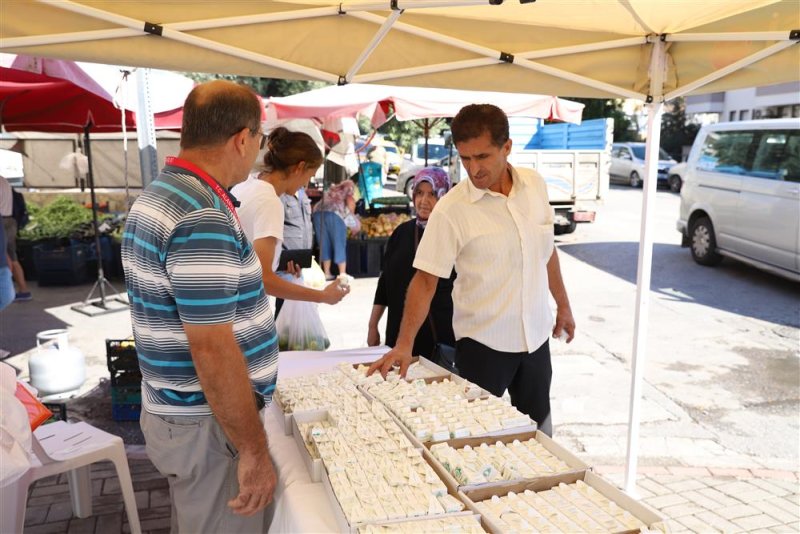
(731, 286)
(21, 321)
(94, 407)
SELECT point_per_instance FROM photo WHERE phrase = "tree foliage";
(598, 108)
(265, 87)
(675, 131)
(405, 133)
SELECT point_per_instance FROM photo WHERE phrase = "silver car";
(741, 195)
(627, 164)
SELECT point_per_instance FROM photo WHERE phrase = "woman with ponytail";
(290, 160)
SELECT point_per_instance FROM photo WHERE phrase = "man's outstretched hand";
(395, 356)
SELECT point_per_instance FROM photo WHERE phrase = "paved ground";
(719, 428)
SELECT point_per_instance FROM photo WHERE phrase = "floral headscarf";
(437, 177)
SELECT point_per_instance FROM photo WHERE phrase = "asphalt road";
(722, 370)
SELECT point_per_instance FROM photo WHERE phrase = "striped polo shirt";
(187, 260)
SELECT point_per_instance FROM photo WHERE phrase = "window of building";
(732, 116)
(744, 114)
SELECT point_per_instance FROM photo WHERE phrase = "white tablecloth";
(302, 505)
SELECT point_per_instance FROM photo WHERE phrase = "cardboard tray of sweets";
(417, 522)
(575, 464)
(440, 374)
(313, 465)
(345, 526)
(529, 428)
(642, 512)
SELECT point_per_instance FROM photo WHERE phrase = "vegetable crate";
(126, 379)
(60, 264)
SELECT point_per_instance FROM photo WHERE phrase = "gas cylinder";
(56, 367)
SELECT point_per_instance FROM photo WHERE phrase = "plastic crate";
(372, 263)
(58, 264)
(59, 410)
(121, 355)
(126, 394)
(126, 378)
(126, 412)
(354, 247)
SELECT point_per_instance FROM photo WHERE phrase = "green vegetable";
(60, 219)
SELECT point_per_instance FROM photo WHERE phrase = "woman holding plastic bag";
(290, 160)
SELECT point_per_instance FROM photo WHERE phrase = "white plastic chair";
(62, 447)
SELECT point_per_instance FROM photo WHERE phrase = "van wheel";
(675, 183)
(635, 181)
(703, 244)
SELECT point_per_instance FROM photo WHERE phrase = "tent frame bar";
(199, 42)
(373, 44)
(733, 67)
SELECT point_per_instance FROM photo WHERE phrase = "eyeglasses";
(262, 143)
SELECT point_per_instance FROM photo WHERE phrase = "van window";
(770, 155)
(726, 152)
(434, 151)
(788, 166)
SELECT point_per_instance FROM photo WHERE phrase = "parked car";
(741, 195)
(627, 164)
(675, 177)
(410, 169)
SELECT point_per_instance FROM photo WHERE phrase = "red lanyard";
(204, 176)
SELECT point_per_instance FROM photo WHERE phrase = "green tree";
(265, 87)
(598, 108)
(675, 131)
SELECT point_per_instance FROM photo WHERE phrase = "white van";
(741, 195)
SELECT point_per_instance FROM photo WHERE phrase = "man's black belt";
(260, 403)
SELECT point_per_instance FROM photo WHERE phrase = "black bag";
(19, 209)
(443, 355)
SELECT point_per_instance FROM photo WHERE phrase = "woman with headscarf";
(331, 218)
(429, 185)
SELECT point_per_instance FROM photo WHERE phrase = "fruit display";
(383, 225)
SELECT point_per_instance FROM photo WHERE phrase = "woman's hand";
(334, 292)
(373, 336)
(294, 269)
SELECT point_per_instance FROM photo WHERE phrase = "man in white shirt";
(496, 229)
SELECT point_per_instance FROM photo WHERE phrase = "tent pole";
(657, 74)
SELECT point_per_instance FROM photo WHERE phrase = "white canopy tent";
(649, 50)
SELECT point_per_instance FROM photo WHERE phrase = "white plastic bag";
(15, 430)
(299, 326)
(313, 276)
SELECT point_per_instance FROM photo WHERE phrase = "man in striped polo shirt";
(204, 331)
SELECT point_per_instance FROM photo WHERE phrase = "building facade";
(768, 102)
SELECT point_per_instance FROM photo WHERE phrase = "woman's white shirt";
(260, 212)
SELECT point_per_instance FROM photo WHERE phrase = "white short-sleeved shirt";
(260, 212)
(499, 247)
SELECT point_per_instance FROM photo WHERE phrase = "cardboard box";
(287, 417)
(411, 522)
(344, 526)
(575, 464)
(314, 465)
(642, 512)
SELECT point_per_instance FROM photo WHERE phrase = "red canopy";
(64, 102)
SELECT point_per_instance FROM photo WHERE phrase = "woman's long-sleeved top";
(393, 283)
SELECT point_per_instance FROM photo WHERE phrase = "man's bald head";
(216, 110)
